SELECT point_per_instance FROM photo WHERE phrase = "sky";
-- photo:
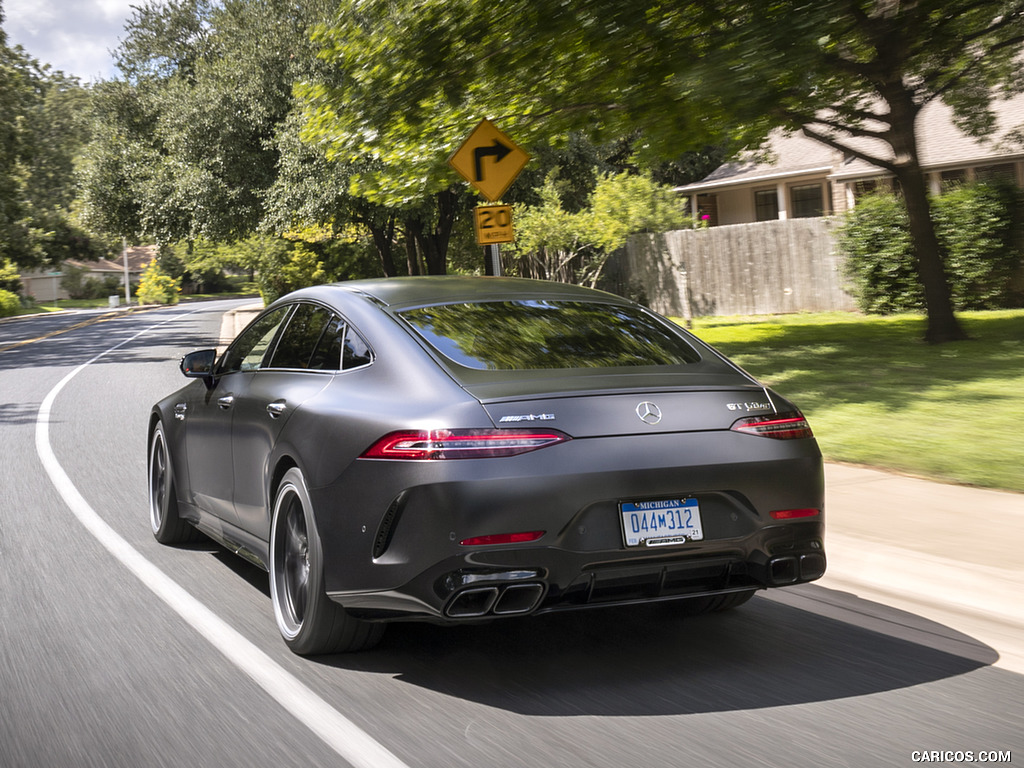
(75, 36)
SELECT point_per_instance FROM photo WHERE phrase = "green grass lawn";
(876, 394)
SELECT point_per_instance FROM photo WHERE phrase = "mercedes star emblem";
(648, 412)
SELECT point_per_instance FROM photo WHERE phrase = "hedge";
(980, 229)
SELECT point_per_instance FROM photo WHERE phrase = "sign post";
(490, 161)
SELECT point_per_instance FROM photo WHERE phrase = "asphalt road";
(116, 651)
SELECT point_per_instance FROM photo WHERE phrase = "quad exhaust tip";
(791, 569)
(508, 601)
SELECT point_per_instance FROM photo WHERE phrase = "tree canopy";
(240, 117)
(44, 122)
(853, 74)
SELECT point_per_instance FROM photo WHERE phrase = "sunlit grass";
(876, 394)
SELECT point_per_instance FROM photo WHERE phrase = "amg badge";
(526, 417)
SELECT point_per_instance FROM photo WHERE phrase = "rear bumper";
(392, 549)
(541, 580)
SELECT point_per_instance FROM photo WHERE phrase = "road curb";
(234, 321)
(988, 591)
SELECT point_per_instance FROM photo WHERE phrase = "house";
(796, 177)
(45, 285)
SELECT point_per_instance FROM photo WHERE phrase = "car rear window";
(528, 334)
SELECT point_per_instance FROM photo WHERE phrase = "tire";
(167, 526)
(698, 606)
(309, 621)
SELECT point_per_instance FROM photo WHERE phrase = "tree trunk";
(433, 243)
(382, 230)
(384, 240)
(943, 325)
(412, 256)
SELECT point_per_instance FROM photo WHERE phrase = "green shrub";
(880, 257)
(9, 278)
(158, 288)
(979, 228)
(10, 304)
(287, 268)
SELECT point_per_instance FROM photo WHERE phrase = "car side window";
(340, 347)
(247, 351)
(327, 355)
(355, 352)
(300, 340)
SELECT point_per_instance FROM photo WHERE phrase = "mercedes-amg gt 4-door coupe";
(457, 449)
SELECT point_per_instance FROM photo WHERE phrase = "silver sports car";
(458, 449)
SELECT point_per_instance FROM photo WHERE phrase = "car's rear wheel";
(168, 527)
(309, 621)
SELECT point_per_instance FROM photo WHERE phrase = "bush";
(80, 285)
(285, 267)
(10, 304)
(10, 280)
(880, 257)
(158, 288)
(979, 228)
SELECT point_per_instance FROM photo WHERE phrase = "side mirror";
(199, 365)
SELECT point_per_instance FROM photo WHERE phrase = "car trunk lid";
(618, 406)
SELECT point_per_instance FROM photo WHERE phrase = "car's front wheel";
(309, 621)
(168, 527)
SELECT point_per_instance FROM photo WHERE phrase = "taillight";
(444, 444)
(783, 426)
(793, 514)
(502, 538)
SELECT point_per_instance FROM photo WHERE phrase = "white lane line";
(337, 731)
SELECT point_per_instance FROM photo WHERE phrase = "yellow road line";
(76, 326)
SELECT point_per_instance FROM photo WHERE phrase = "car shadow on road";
(649, 660)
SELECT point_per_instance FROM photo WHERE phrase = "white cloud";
(75, 36)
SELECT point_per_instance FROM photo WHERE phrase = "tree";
(186, 147)
(554, 243)
(856, 76)
(853, 74)
(43, 125)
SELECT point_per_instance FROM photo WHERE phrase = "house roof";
(139, 257)
(941, 144)
(788, 154)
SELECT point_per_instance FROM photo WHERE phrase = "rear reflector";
(783, 426)
(444, 444)
(791, 514)
(501, 538)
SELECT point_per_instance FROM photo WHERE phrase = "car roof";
(424, 290)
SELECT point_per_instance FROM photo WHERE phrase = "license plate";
(660, 523)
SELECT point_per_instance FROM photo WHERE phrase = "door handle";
(226, 401)
(276, 408)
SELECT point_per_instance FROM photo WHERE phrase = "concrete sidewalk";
(947, 553)
(947, 544)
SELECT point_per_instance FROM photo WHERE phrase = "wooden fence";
(769, 267)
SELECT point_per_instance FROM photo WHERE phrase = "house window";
(806, 201)
(864, 187)
(1001, 172)
(954, 179)
(766, 204)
